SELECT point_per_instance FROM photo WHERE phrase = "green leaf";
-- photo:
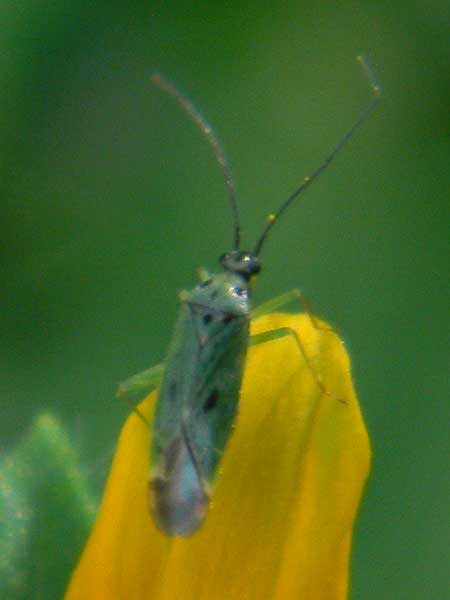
(46, 511)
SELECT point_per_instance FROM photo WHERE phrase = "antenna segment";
(206, 129)
(273, 218)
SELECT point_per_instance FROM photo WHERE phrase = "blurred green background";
(110, 199)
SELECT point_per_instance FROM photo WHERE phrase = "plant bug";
(200, 381)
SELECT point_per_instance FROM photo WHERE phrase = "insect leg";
(276, 303)
(140, 385)
(294, 296)
(281, 332)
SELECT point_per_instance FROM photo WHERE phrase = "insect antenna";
(208, 132)
(272, 218)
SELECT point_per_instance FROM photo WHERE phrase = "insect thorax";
(223, 295)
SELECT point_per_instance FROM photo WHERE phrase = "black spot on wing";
(211, 401)
(224, 318)
(172, 390)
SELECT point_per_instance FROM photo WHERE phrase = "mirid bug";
(201, 378)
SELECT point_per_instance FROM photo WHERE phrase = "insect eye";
(238, 291)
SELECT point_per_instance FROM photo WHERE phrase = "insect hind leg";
(281, 332)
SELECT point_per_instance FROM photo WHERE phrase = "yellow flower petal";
(285, 501)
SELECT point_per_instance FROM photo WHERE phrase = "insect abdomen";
(178, 500)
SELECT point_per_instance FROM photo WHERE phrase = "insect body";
(198, 399)
(201, 378)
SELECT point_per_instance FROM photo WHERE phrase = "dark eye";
(238, 291)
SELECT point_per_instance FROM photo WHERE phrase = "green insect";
(200, 381)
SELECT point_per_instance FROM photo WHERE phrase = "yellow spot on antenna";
(307, 178)
(271, 218)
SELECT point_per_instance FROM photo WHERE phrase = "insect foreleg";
(294, 296)
(276, 303)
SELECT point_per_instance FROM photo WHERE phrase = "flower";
(285, 500)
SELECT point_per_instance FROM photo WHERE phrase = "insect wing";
(196, 409)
